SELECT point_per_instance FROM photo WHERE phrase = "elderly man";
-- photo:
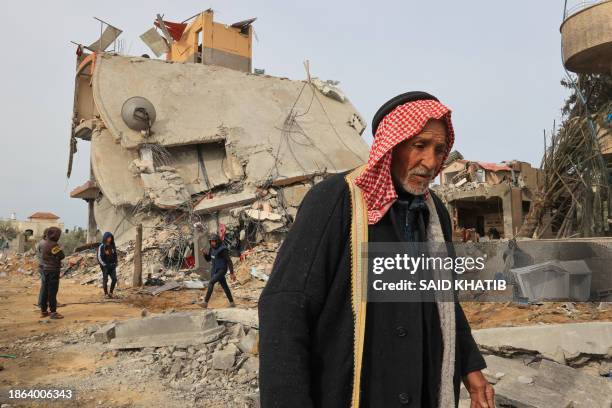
(321, 343)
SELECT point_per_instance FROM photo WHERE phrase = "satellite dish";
(138, 113)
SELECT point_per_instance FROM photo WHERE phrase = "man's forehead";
(434, 130)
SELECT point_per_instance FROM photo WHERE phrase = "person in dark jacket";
(41, 272)
(322, 343)
(107, 258)
(218, 254)
(52, 255)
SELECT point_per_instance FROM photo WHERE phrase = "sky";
(496, 64)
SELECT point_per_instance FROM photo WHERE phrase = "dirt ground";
(59, 353)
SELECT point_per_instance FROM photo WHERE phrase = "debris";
(259, 275)
(194, 284)
(261, 215)
(156, 290)
(224, 359)
(329, 89)
(249, 343)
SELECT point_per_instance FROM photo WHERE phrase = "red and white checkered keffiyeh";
(400, 124)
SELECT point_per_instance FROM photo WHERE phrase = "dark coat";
(306, 321)
(107, 254)
(52, 253)
(221, 260)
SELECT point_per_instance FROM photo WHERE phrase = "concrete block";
(247, 317)
(105, 334)
(223, 359)
(293, 195)
(250, 342)
(251, 365)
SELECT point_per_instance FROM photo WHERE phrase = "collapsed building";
(198, 140)
(482, 196)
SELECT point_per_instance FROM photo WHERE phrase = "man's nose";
(429, 160)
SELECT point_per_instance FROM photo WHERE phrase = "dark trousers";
(50, 286)
(41, 272)
(106, 272)
(218, 277)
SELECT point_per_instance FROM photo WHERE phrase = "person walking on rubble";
(52, 255)
(218, 254)
(107, 258)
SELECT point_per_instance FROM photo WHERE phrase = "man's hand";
(481, 392)
(233, 276)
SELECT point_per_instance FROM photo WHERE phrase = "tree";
(7, 231)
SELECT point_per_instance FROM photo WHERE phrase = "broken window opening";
(480, 215)
(199, 46)
(526, 205)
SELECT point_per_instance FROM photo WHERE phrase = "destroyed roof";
(493, 166)
(248, 128)
(484, 165)
(44, 216)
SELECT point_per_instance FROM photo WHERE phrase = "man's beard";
(413, 188)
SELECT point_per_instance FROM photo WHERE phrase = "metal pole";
(137, 278)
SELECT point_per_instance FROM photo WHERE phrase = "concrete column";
(92, 226)
(137, 277)
(507, 214)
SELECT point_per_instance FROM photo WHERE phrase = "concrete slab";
(246, 317)
(247, 111)
(582, 390)
(209, 205)
(594, 338)
(545, 384)
(178, 329)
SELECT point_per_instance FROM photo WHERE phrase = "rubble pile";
(20, 263)
(226, 368)
(548, 365)
(220, 363)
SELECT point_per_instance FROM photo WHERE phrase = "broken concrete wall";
(199, 103)
(111, 167)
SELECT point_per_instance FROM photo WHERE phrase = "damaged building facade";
(483, 196)
(200, 142)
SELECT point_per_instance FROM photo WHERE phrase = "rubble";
(200, 153)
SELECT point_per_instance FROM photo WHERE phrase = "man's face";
(415, 161)
(213, 243)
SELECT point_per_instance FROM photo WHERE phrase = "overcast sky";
(497, 65)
